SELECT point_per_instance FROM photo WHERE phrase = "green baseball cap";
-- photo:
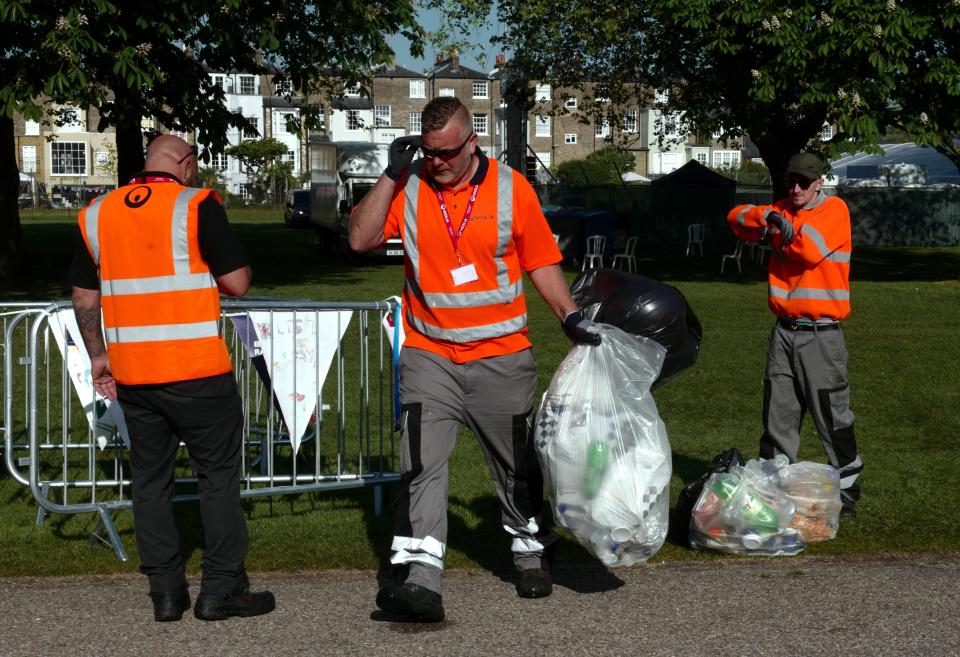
(807, 165)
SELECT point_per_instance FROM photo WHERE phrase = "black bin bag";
(642, 306)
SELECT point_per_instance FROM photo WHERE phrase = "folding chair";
(595, 246)
(695, 237)
(735, 256)
(627, 256)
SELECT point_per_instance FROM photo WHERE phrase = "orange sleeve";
(748, 221)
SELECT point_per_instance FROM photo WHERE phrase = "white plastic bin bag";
(603, 447)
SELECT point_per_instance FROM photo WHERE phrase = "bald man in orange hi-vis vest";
(809, 292)
(154, 255)
(471, 227)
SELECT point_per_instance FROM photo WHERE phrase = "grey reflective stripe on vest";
(93, 227)
(809, 293)
(179, 241)
(162, 333)
(741, 216)
(504, 293)
(821, 244)
(157, 284)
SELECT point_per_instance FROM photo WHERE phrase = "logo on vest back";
(137, 196)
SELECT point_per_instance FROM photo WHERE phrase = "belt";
(797, 325)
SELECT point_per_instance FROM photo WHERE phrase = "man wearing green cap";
(809, 292)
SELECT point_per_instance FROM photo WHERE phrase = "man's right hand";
(783, 225)
(402, 151)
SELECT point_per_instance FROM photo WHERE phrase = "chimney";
(441, 56)
(501, 60)
(455, 60)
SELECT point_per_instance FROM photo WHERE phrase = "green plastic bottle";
(596, 465)
(724, 485)
(758, 514)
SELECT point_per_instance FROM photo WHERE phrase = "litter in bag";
(767, 507)
(603, 448)
(690, 493)
(642, 306)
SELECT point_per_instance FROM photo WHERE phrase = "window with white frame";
(446, 91)
(726, 159)
(381, 115)
(218, 80)
(630, 120)
(353, 120)
(386, 137)
(570, 138)
(243, 190)
(661, 96)
(218, 161)
(544, 158)
(418, 88)
(280, 122)
(291, 159)
(480, 90)
(68, 158)
(542, 125)
(70, 119)
(353, 91)
(702, 158)
(283, 88)
(253, 132)
(826, 133)
(671, 126)
(31, 128)
(416, 122)
(541, 93)
(28, 159)
(147, 123)
(570, 102)
(480, 124)
(248, 85)
(602, 127)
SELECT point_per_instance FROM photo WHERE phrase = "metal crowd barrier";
(279, 348)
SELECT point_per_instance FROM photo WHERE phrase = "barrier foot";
(105, 525)
(42, 512)
(377, 500)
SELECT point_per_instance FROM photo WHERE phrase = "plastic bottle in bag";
(788, 541)
(596, 464)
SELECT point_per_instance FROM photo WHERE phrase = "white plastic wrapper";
(603, 448)
(767, 507)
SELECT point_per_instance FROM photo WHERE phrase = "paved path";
(794, 607)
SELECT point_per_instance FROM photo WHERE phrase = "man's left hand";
(576, 326)
(102, 377)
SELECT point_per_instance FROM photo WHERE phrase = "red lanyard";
(455, 236)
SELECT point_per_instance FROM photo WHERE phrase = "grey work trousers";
(807, 371)
(493, 397)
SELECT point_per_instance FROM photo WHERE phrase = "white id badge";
(463, 275)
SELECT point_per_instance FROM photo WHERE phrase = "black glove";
(575, 325)
(402, 151)
(783, 225)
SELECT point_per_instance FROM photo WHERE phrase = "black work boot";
(534, 583)
(849, 505)
(244, 603)
(170, 606)
(413, 601)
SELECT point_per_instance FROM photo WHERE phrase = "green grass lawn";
(904, 374)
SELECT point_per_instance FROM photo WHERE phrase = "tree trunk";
(11, 235)
(129, 151)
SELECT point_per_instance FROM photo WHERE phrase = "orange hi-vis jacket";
(810, 278)
(161, 305)
(506, 234)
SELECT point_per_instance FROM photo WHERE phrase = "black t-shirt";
(219, 247)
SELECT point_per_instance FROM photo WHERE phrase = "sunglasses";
(193, 151)
(444, 153)
(803, 181)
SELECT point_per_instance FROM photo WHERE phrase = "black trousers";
(206, 415)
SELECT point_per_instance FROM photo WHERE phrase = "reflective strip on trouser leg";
(783, 402)
(498, 406)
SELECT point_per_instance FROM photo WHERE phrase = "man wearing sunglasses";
(470, 227)
(154, 255)
(809, 292)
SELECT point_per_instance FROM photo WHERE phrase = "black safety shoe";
(534, 583)
(848, 509)
(413, 601)
(245, 603)
(170, 606)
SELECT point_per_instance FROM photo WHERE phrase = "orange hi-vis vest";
(810, 278)
(489, 307)
(161, 305)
